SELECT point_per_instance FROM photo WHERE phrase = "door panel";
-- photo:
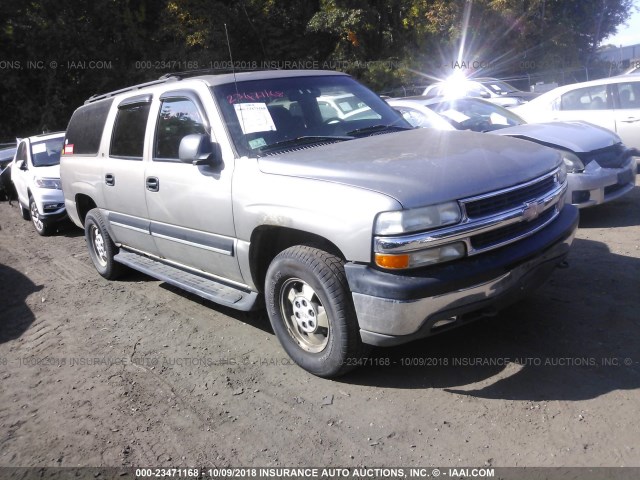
(124, 180)
(628, 127)
(18, 176)
(627, 113)
(124, 198)
(191, 217)
(189, 206)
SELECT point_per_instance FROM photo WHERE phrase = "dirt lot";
(135, 373)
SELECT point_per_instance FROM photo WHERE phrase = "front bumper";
(395, 308)
(597, 185)
(50, 204)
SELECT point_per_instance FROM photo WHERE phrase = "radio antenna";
(233, 68)
(235, 80)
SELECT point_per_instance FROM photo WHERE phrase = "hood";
(420, 167)
(579, 137)
(51, 171)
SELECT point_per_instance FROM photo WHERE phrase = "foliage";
(47, 45)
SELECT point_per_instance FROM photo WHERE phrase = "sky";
(627, 34)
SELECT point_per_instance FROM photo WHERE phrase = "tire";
(311, 312)
(39, 224)
(101, 247)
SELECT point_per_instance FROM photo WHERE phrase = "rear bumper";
(397, 308)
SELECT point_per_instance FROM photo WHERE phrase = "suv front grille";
(528, 202)
(509, 233)
(500, 202)
(491, 220)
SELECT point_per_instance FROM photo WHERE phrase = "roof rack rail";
(204, 71)
(46, 134)
(102, 96)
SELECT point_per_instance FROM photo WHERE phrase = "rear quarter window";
(84, 131)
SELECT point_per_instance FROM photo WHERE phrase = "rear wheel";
(311, 312)
(38, 222)
(101, 247)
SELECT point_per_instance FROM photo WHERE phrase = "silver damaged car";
(600, 167)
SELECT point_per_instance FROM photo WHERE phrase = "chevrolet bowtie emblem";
(532, 210)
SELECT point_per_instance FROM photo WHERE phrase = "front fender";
(344, 215)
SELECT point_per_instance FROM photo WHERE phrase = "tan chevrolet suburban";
(352, 230)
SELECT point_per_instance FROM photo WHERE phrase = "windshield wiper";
(304, 140)
(377, 128)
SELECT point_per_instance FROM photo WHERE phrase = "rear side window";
(629, 94)
(127, 140)
(84, 131)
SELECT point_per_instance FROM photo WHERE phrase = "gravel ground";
(136, 373)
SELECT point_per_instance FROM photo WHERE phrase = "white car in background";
(491, 89)
(612, 103)
(35, 173)
(337, 108)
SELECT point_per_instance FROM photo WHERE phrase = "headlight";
(53, 183)
(572, 162)
(562, 173)
(414, 220)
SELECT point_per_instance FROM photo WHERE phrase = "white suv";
(35, 173)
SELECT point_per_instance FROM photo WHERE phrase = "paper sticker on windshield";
(345, 106)
(497, 119)
(455, 115)
(254, 117)
(496, 87)
(257, 143)
(38, 148)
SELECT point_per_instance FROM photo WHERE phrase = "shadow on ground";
(624, 212)
(15, 315)
(575, 338)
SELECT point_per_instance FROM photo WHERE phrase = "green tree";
(46, 44)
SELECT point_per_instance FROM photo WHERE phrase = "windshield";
(47, 152)
(476, 115)
(420, 117)
(284, 113)
(7, 154)
(499, 87)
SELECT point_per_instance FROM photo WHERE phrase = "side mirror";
(22, 165)
(197, 149)
(485, 95)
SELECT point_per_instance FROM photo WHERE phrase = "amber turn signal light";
(392, 261)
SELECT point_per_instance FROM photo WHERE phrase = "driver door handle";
(109, 179)
(630, 120)
(153, 184)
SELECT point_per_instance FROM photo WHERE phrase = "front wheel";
(311, 311)
(38, 223)
(101, 247)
